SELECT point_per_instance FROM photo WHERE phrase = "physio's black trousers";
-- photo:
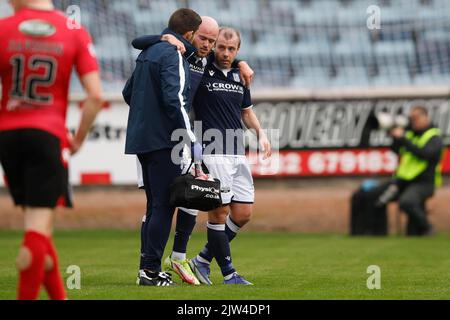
(158, 172)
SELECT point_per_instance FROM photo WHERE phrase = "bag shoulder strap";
(204, 167)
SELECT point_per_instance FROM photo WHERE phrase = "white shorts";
(235, 177)
(140, 175)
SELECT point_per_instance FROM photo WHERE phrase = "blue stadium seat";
(350, 76)
(112, 47)
(393, 74)
(309, 43)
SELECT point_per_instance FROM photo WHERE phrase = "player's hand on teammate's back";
(247, 73)
(174, 41)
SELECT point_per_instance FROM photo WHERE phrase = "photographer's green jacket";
(420, 155)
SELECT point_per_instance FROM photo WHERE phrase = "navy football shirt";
(218, 103)
(197, 68)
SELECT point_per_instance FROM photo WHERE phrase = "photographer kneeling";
(420, 149)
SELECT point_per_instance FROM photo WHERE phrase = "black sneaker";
(429, 232)
(150, 278)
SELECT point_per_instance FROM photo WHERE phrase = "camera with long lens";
(387, 121)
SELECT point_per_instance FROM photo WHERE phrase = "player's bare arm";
(174, 41)
(251, 122)
(91, 106)
(247, 73)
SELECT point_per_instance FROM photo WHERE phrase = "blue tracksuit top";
(158, 94)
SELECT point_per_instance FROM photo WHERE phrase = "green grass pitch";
(281, 265)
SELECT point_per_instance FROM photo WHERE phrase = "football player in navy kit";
(222, 103)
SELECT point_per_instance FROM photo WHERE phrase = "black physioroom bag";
(188, 192)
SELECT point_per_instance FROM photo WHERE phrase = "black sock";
(231, 234)
(220, 247)
(183, 230)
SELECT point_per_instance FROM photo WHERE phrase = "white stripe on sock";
(217, 227)
(200, 259)
(233, 227)
(228, 277)
(178, 256)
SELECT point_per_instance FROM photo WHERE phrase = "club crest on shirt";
(211, 73)
(37, 28)
(236, 77)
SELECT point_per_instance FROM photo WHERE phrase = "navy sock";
(206, 252)
(220, 247)
(183, 230)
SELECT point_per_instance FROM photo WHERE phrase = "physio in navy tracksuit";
(158, 94)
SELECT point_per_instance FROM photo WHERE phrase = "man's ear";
(189, 36)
